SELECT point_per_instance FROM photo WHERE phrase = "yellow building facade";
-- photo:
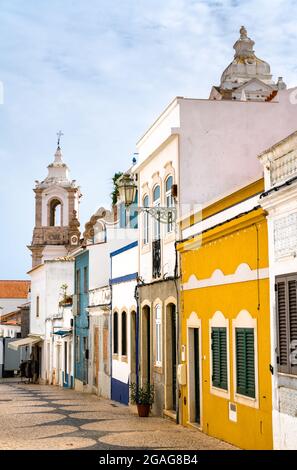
(225, 329)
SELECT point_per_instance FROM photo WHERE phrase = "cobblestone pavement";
(47, 417)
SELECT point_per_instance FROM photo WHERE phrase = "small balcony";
(156, 262)
(100, 297)
(283, 167)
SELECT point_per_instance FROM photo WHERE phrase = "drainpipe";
(136, 296)
(74, 350)
(177, 330)
(110, 325)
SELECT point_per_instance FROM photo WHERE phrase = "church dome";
(245, 65)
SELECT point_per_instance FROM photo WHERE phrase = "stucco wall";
(221, 267)
(99, 255)
(162, 292)
(162, 163)
(124, 263)
(223, 139)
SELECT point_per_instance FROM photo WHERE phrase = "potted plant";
(66, 299)
(143, 397)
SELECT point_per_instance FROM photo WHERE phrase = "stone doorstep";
(170, 415)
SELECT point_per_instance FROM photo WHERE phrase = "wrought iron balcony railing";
(156, 258)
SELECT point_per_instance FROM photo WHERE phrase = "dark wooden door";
(173, 333)
(197, 375)
(148, 329)
(96, 356)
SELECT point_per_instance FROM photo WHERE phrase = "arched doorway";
(146, 345)
(171, 360)
(133, 340)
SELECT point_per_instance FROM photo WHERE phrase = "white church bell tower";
(56, 232)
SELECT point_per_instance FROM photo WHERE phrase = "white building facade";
(103, 234)
(51, 320)
(157, 173)
(124, 329)
(55, 235)
(203, 149)
(59, 347)
(280, 201)
(99, 340)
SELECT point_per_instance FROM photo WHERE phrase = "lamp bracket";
(164, 215)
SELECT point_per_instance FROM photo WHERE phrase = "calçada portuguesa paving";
(43, 417)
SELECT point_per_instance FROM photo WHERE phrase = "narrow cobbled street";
(46, 417)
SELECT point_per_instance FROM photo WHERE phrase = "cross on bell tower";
(56, 232)
(59, 135)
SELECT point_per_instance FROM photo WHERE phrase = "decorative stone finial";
(281, 84)
(58, 156)
(243, 32)
(244, 46)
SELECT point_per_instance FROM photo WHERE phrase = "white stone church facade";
(56, 234)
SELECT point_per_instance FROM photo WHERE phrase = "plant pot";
(143, 410)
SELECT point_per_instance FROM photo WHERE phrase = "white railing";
(285, 236)
(284, 167)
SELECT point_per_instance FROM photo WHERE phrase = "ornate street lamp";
(127, 187)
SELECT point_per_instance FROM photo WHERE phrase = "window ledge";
(169, 237)
(247, 401)
(287, 374)
(220, 392)
(145, 248)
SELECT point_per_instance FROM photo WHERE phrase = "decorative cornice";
(243, 273)
(103, 214)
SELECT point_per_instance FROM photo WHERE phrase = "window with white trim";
(115, 333)
(169, 203)
(245, 362)
(157, 203)
(286, 308)
(124, 334)
(145, 221)
(37, 306)
(158, 333)
(219, 357)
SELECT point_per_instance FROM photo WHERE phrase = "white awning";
(15, 345)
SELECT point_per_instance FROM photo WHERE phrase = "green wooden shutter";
(282, 323)
(292, 289)
(286, 306)
(219, 358)
(245, 361)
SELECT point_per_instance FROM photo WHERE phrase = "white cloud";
(102, 71)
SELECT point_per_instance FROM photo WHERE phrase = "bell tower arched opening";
(55, 213)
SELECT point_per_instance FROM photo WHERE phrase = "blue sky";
(102, 71)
